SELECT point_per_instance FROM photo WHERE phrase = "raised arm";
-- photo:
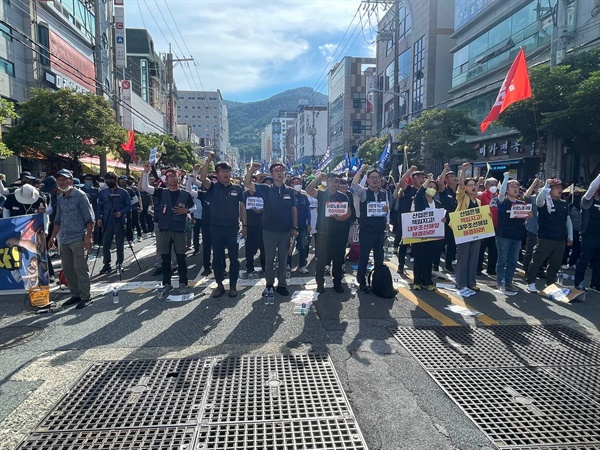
(145, 186)
(503, 186)
(529, 191)
(358, 175)
(541, 197)
(248, 183)
(594, 185)
(404, 179)
(204, 171)
(311, 189)
(441, 179)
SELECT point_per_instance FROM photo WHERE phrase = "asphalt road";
(396, 404)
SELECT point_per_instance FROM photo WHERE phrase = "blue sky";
(252, 49)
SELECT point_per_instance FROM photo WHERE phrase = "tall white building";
(310, 137)
(206, 113)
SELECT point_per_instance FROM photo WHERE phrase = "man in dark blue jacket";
(113, 207)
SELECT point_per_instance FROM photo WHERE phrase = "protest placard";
(336, 208)
(152, 156)
(423, 226)
(255, 203)
(520, 211)
(472, 224)
(375, 209)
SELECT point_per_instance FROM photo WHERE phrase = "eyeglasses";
(374, 177)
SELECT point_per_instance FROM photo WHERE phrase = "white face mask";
(324, 183)
(102, 185)
(493, 189)
(297, 187)
(67, 189)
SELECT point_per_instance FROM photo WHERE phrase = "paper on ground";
(304, 297)
(462, 310)
(180, 298)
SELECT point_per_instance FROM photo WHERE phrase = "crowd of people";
(210, 212)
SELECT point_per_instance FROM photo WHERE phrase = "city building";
(489, 34)
(206, 113)
(310, 134)
(413, 64)
(349, 121)
(278, 131)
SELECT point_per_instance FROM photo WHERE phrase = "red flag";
(129, 147)
(515, 88)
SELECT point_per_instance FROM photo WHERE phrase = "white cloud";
(245, 45)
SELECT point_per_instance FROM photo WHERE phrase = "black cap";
(222, 165)
(274, 165)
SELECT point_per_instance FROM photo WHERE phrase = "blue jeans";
(508, 255)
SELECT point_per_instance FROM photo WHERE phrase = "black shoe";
(195, 252)
(72, 301)
(542, 275)
(233, 292)
(400, 269)
(282, 290)
(218, 291)
(320, 288)
(490, 272)
(105, 269)
(363, 287)
(157, 272)
(83, 303)
(338, 288)
(449, 268)
(206, 272)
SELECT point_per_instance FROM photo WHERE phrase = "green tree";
(439, 133)
(7, 111)
(564, 106)
(64, 122)
(370, 151)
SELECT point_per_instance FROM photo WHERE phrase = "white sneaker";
(466, 292)
(303, 269)
(531, 288)
(565, 266)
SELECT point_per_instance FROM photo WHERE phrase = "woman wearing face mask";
(424, 252)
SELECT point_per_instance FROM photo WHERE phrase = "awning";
(498, 164)
(92, 165)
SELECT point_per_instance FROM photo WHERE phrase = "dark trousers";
(254, 242)
(331, 247)
(466, 264)
(530, 242)
(172, 240)
(492, 255)
(196, 234)
(546, 249)
(572, 253)
(423, 253)
(369, 240)
(146, 221)
(591, 248)
(135, 221)
(206, 246)
(225, 238)
(450, 244)
(114, 230)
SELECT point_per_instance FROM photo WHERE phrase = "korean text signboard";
(472, 224)
(423, 226)
(336, 208)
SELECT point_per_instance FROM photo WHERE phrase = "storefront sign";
(120, 45)
(336, 208)
(423, 226)
(472, 224)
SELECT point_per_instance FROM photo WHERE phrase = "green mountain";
(247, 120)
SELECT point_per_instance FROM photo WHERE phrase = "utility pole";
(313, 133)
(171, 62)
(98, 68)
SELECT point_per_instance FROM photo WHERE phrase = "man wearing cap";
(280, 221)
(333, 224)
(24, 200)
(553, 215)
(113, 206)
(226, 210)
(171, 209)
(74, 226)
(590, 235)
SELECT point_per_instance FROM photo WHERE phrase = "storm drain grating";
(523, 406)
(325, 434)
(127, 394)
(498, 346)
(534, 386)
(134, 439)
(262, 402)
(274, 387)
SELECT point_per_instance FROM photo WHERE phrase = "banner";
(520, 211)
(423, 226)
(255, 203)
(375, 209)
(336, 208)
(23, 256)
(472, 224)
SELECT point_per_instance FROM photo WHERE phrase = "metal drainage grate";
(523, 406)
(585, 379)
(332, 434)
(127, 394)
(274, 387)
(498, 346)
(134, 439)
(568, 447)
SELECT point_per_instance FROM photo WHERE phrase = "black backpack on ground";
(381, 283)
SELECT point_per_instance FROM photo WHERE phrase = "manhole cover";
(247, 402)
(17, 335)
(134, 439)
(584, 378)
(274, 387)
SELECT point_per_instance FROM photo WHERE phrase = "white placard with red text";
(336, 208)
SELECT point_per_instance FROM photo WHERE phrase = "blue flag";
(384, 159)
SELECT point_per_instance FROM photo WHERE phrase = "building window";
(44, 41)
(144, 79)
(7, 67)
(418, 75)
(404, 63)
(6, 31)
(404, 22)
(389, 77)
